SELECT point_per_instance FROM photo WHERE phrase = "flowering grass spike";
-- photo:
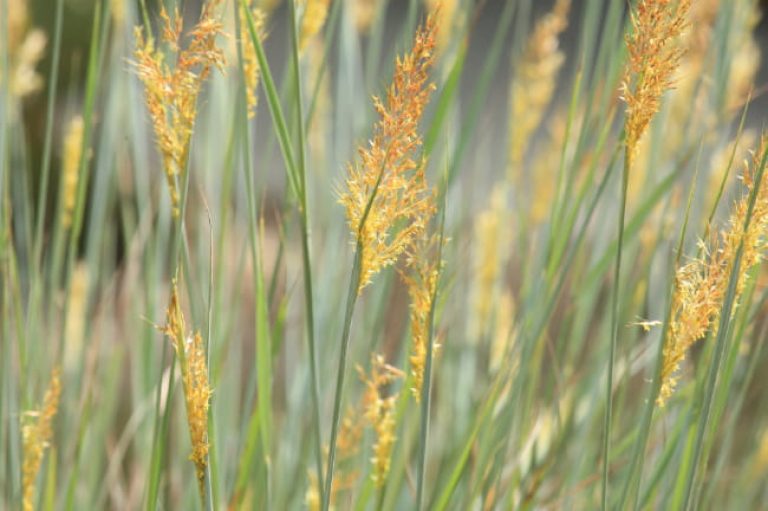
(654, 55)
(390, 174)
(172, 91)
(701, 285)
(194, 376)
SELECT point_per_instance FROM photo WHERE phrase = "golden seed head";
(390, 166)
(171, 92)
(421, 280)
(448, 17)
(379, 412)
(654, 55)
(312, 21)
(25, 49)
(534, 83)
(194, 376)
(702, 283)
(36, 432)
(250, 61)
(73, 148)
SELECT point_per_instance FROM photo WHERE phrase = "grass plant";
(371, 255)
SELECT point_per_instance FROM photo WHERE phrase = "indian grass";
(482, 358)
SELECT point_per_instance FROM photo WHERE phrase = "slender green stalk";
(352, 293)
(305, 243)
(263, 412)
(636, 465)
(606, 452)
(45, 165)
(721, 341)
(297, 180)
(426, 387)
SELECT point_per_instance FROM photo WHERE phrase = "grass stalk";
(721, 341)
(606, 452)
(426, 387)
(352, 294)
(306, 258)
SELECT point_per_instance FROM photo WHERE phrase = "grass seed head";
(171, 91)
(73, 148)
(654, 56)
(194, 375)
(36, 432)
(702, 283)
(421, 278)
(390, 167)
(312, 21)
(379, 412)
(250, 61)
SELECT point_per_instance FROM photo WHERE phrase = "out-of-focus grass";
(542, 393)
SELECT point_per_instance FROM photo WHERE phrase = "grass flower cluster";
(172, 84)
(425, 254)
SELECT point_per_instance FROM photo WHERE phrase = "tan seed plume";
(171, 92)
(36, 432)
(421, 279)
(390, 165)
(702, 283)
(379, 413)
(312, 21)
(654, 55)
(194, 376)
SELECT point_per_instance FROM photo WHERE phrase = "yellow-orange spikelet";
(171, 92)
(701, 284)
(194, 376)
(36, 432)
(73, 146)
(390, 167)
(534, 82)
(421, 280)
(449, 18)
(379, 412)
(313, 19)
(250, 61)
(737, 149)
(654, 55)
